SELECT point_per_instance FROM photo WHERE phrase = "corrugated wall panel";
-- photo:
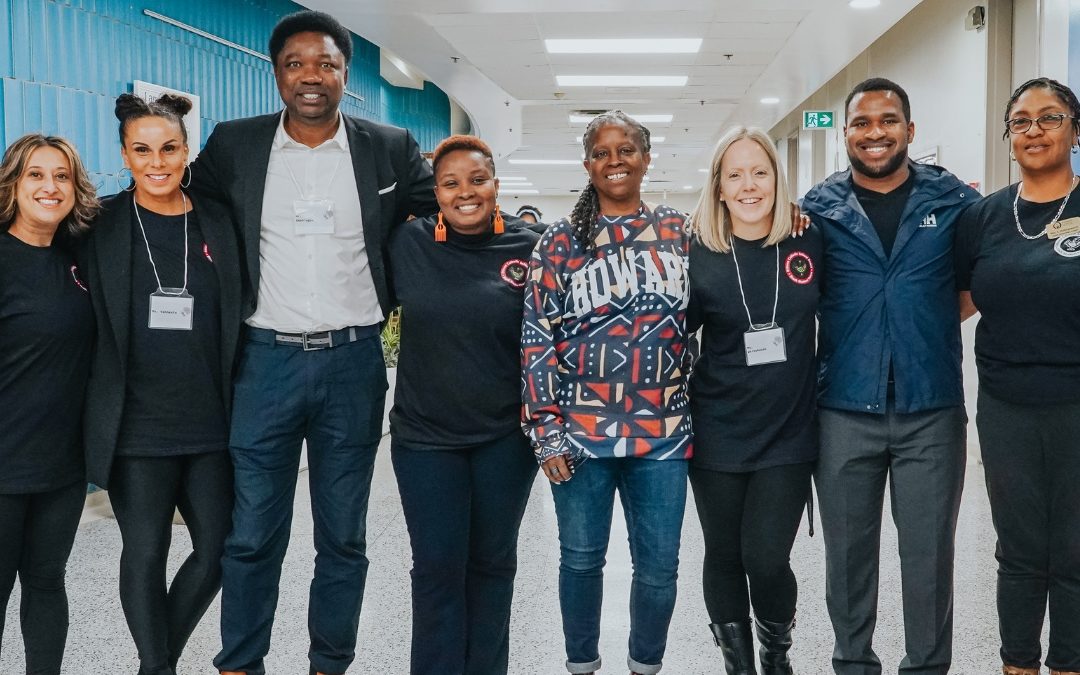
(63, 63)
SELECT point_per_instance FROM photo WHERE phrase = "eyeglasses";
(1019, 125)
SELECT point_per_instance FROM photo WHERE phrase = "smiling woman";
(1018, 263)
(46, 328)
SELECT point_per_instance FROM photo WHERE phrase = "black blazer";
(107, 265)
(393, 180)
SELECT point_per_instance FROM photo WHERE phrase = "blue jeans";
(463, 509)
(333, 398)
(653, 495)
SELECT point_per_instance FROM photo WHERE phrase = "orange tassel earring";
(440, 229)
(500, 226)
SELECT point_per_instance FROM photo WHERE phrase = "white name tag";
(171, 312)
(313, 216)
(765, 346)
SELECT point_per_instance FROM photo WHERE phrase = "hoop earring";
(120, 180)
(187, 169)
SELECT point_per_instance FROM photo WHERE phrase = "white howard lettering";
(626, 275)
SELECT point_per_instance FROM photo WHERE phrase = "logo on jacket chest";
(799, 267)
(929, 221)
(514, 272)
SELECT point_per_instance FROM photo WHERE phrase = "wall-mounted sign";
(818, 119)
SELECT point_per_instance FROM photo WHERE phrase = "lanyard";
(776, 297)
(150, 255)
(300, 190)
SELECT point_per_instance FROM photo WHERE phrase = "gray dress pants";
(923, 455)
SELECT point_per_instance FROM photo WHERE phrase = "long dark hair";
(587, 209)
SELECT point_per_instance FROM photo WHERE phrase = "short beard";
(888, 169)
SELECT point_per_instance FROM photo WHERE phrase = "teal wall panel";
(62, 64)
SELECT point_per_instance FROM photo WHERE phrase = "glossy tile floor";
(99, 641)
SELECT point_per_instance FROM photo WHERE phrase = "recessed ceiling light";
(544, 161)
(513, 184)
(770, 100)
(625, 46)
(688, 187)
(644, 119)
(652, 139)
(512, 178)
(863, 4)
(703, 170)
(515, 191)
(621, 80)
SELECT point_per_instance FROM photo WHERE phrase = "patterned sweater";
(603, 343)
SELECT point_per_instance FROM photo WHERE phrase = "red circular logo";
(514, 272)
(799, 268)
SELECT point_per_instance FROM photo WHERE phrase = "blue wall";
(62, 65)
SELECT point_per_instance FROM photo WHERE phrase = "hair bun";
(181, 105)
(129, 105)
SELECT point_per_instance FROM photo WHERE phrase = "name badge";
(765, 346)
(1063, 228)
(171, 310)
(313, 216)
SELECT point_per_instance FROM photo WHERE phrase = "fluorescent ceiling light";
(514, 191)
(644, 119)
(703, 170)
(652, 139)
(770, 100)
(544, 161)
(625, 46)
(512, 178)
(688, 187)
(512, 184)
(863, 4)
(621, 80)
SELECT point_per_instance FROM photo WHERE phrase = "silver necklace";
(1016, 213)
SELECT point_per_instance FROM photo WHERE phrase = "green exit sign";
(818, 119)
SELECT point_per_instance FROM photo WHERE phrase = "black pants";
(1032, 460)
(36, 534)
(749, 521)
(144, 492)
(463, 509)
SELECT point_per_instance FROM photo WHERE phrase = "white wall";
(941, 65)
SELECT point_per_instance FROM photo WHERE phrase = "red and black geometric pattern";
(604, 340)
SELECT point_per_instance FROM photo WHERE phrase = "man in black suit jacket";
(313, 237)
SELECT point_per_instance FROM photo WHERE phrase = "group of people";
(178, 342)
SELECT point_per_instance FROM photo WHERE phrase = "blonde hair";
(11, 170)
(711, 219)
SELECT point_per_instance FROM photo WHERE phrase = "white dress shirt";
(312, 282)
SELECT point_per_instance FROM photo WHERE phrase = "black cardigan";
(107, 264)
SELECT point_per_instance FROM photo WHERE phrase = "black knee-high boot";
(775, 639)
(737, 645)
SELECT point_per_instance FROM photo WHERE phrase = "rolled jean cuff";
(580, 668)
(643, 668)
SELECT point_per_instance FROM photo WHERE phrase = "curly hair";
(310, 21)
(12, 167)
(130, 107)
(587, 209)
(461, 142)
(1064, 94)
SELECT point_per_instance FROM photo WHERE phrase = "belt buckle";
(309, 347)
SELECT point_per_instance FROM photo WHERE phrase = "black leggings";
(37, 531)
(749, 521)
(144, 492)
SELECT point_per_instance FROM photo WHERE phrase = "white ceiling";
(489, 56)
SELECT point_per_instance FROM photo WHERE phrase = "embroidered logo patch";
(514, 272)
(799, 268)
(75, 278)
(1068, 246)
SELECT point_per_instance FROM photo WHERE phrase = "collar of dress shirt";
(282, 139)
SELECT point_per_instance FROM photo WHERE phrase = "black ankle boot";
(775, 639)
(737, 646)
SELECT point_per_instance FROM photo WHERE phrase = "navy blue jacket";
(902, 309)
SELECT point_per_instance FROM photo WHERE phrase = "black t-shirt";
(1027, 343)
(173, 404)
(459, 371)
(46, 331)
(884, 210)
(753, 417)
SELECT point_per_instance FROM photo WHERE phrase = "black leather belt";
(313, 341)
